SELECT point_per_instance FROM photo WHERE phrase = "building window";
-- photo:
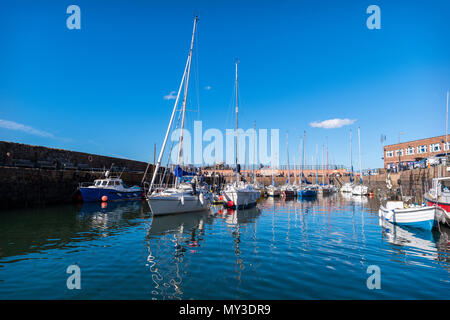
(409, 151)
(422, 149)
(389, 154)
(399, 151)
(446, 146)
(436, 147)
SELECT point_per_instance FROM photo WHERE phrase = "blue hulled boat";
(109, 189)
(307, 192)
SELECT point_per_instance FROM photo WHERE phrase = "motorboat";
(109, 188)
(418, 216)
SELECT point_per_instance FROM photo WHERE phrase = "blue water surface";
(282, 249)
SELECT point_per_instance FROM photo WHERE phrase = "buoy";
(230, 204)
(193, 243)
(221, 198)
(104, 198)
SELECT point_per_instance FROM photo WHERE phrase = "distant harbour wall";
(32, 176)
(23, 155)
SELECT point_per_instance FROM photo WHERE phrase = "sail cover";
(179, 172)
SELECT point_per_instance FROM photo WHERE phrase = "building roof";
(395, 144)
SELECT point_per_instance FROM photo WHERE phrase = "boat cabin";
(108, 183)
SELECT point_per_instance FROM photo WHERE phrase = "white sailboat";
(256, 185)
(348, 186)
(360, 189)
(288, 190)
(272, 190)
(182, 197)
(239, 194)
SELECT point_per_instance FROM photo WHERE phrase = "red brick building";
(408, 153)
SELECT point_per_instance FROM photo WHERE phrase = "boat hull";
(96, 194)
(360, 190)
(173, 205)
(240, 199)
(445, 206)
(307, 193)
(272, 193)
(288, 193)
(421, 217)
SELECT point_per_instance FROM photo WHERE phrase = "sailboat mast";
(161, 153)
(317, 164)
(328, 174)
(323, 164)
(237, 123)
(303, 156)
(295, 172)
(287, 150)
(351, 157)
(186, 87)
(254, 160)
(446, 129)
(359, 151)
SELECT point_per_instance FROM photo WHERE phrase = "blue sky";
(101, 89)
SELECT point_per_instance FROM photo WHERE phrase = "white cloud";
(332, 123)
(170, 96)
(11, 125)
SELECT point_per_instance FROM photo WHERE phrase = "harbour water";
(293, 249)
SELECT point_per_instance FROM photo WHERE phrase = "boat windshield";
(445, 185)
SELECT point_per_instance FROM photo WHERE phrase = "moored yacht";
(239, 194)
(273, 191)
(182, 197)
(360, 190)
(347, 187)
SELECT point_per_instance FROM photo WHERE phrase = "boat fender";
(201, 198)
(182, 199)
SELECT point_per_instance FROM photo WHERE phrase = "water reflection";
(283, 248)
(416, 242)
(36, 231)
(111, 215)
(168, 238)
(172, 240)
